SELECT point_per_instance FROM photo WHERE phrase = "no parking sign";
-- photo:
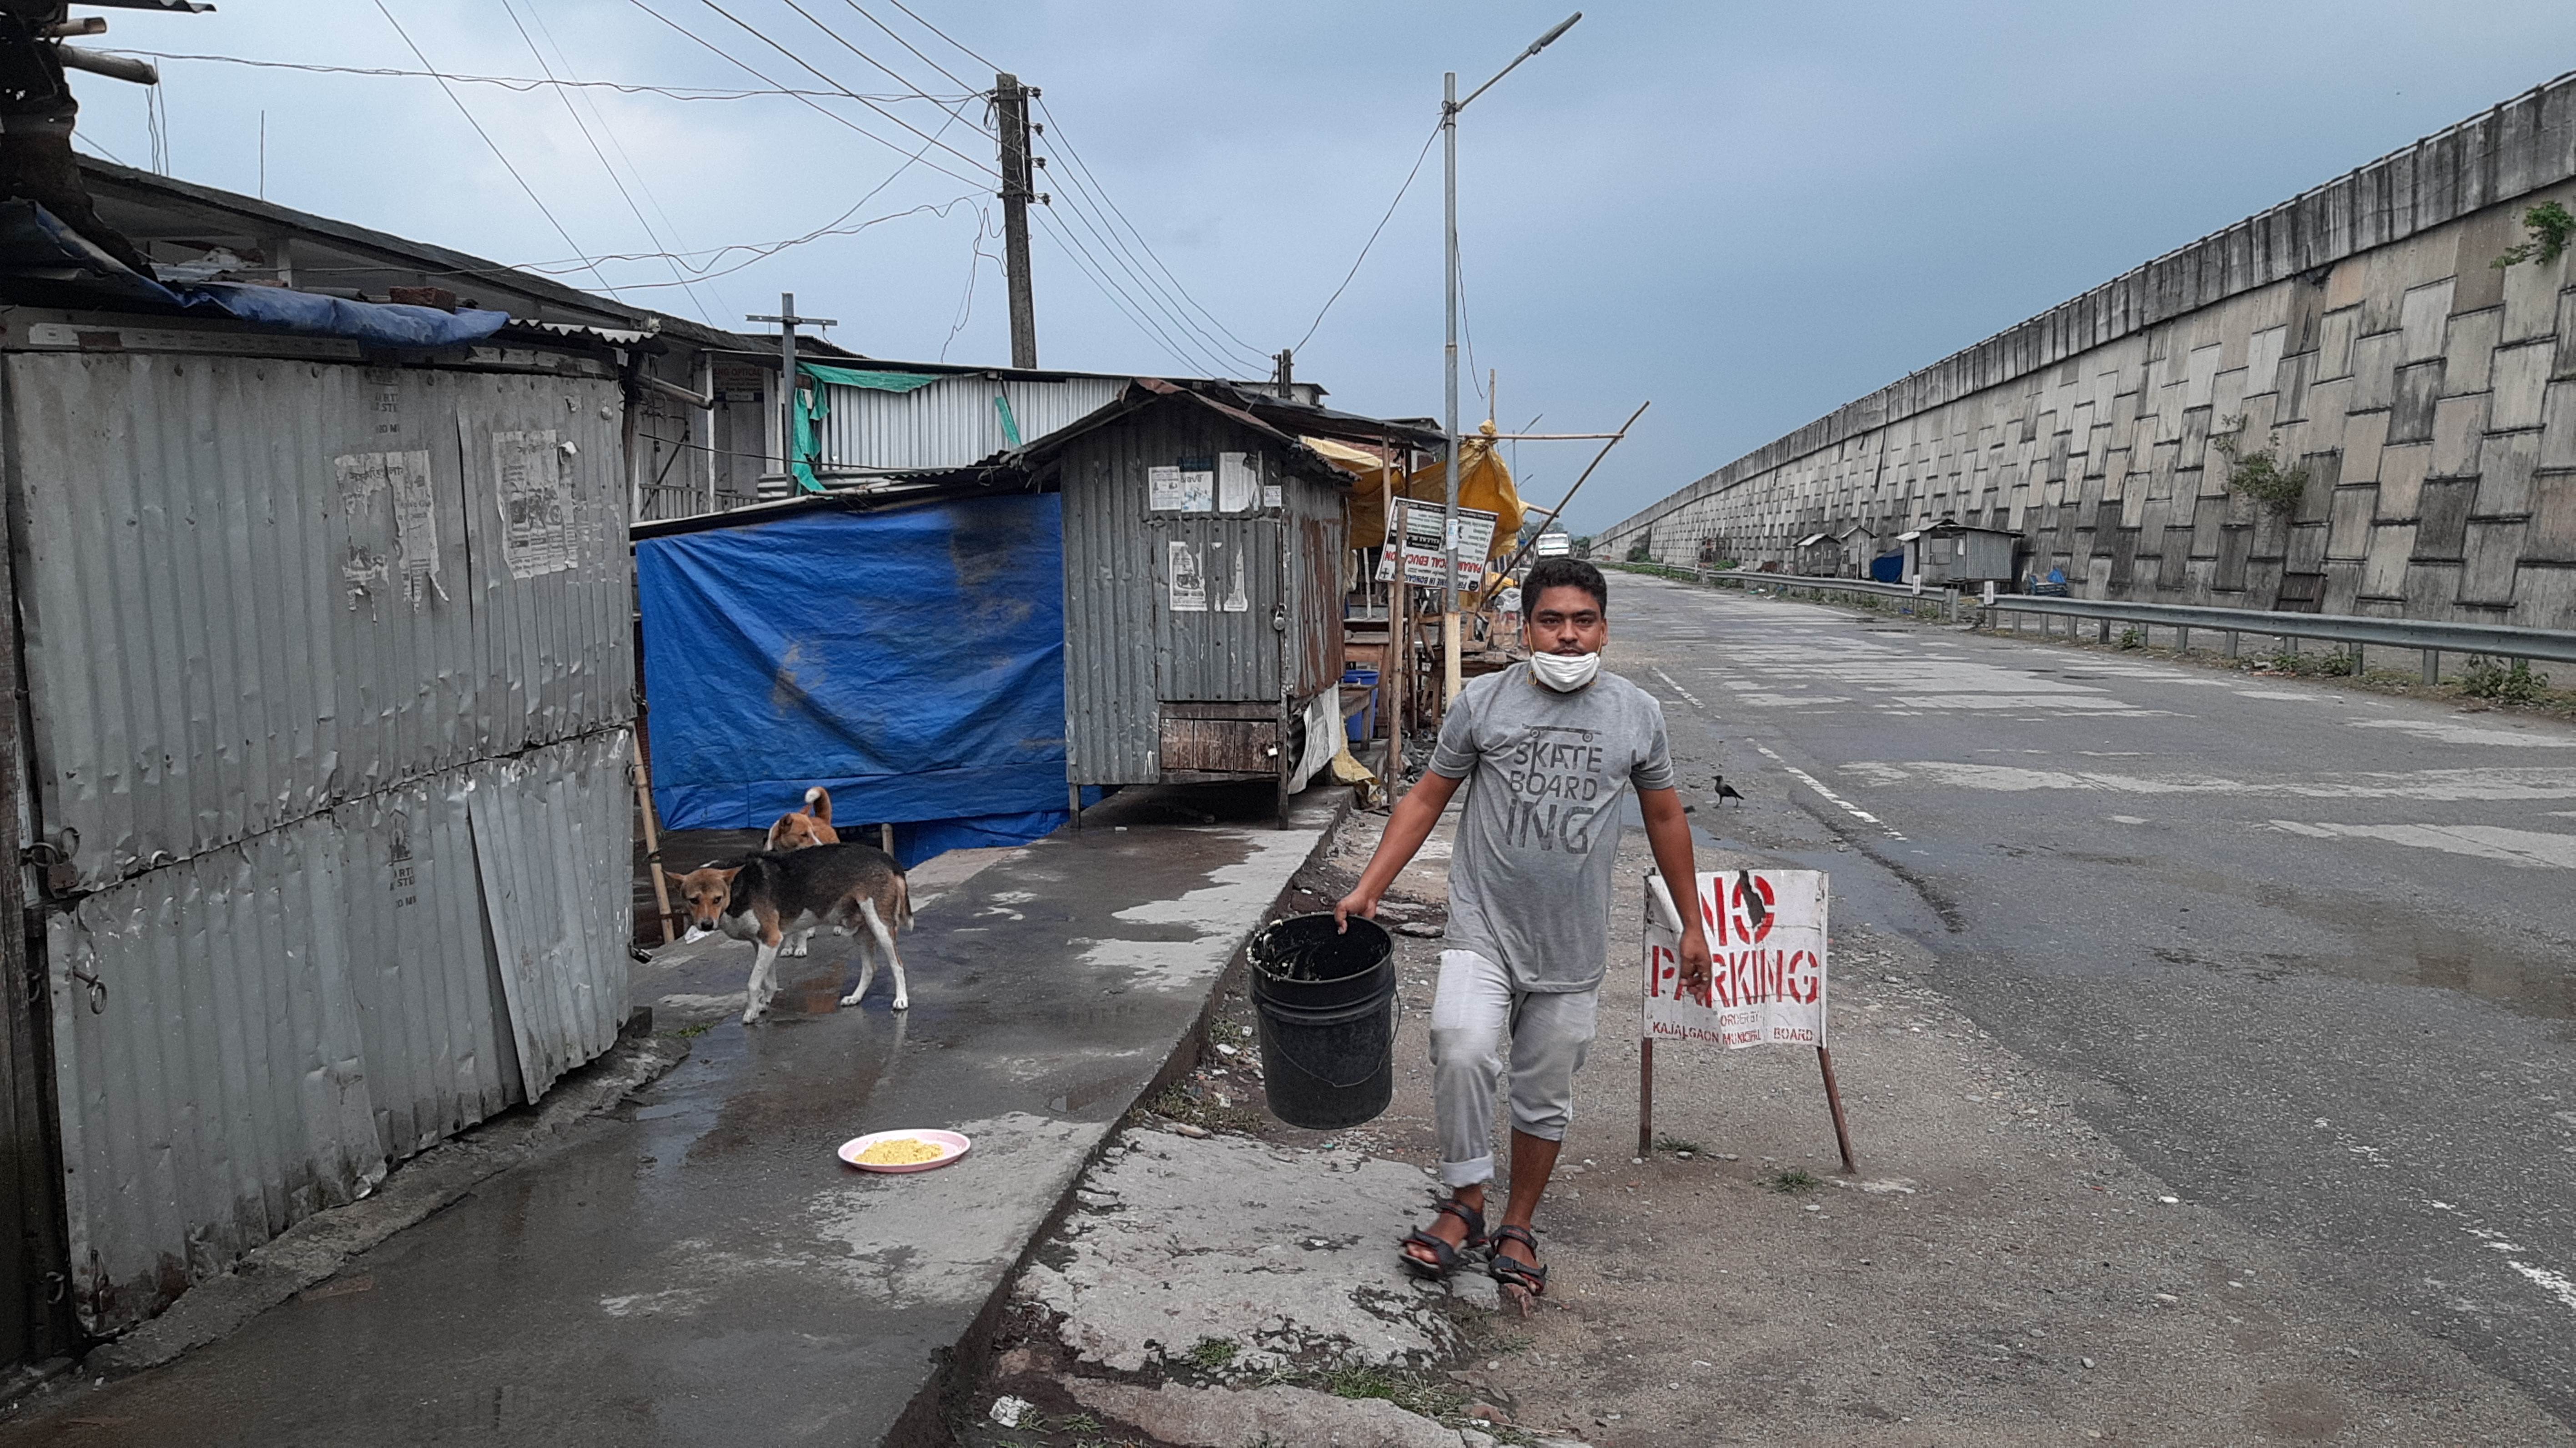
(1767, 984)
(1766, 942)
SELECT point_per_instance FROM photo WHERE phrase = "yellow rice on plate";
(902, 1151)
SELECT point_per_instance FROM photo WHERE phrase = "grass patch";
(1669, 1142)
(2486, 678)
(1212, 1354)
(1439, 1401)
(689, 1032)
(1792, 1179)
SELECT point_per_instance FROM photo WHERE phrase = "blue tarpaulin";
(909, 660)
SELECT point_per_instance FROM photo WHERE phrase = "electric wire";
(590, 100)
(525, 83)
(512, 10)
(758, 253)
(462, 110)
(908, 45)
(1206, 344)
(992, 167)
(1087, 182)
(1116, 298)
(974, 273)
(1419, 157)
(944, 35)
(1175, 342)
(838, 40)
(918, 158)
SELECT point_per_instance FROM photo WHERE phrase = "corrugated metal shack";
(1951, 552)
(1203, 571)
(321, 775)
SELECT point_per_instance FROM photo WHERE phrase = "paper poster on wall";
(1236, 600)
(534, 491)
(1273, 495)
(1189, 583)
(389, 519)
(1238, 475)
(1181, 489)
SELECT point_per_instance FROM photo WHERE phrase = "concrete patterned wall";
(2430, 395)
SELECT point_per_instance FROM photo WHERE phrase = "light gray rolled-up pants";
(1473, 1013)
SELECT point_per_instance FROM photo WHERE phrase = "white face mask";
(1565, 673)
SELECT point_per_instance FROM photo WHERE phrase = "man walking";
(1552, 747)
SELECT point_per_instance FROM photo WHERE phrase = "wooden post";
(653, 845)
(1397, 672)
(1646, 1096)
(1834, 1099)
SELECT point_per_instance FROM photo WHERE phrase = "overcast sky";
(1749, 214)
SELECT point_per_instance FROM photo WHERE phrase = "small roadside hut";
(1203, 589)
(1951, 553)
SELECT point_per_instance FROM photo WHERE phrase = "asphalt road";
(2307, 953)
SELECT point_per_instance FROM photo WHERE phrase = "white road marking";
(2290, 694)
(1678, 689)
(2445, 732)
(2548, 1280)
(2428, 784)
(1847, 807)
(2523, 849)
(2553, 1283)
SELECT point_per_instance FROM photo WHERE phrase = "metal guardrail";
(2430, 639)
(1947, 599)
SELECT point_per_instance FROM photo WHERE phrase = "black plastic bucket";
(1326, 1001)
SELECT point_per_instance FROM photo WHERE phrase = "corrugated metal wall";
(330, 672)
(224, 635)
(1229, 649)
(952, 423)
(1112, 727)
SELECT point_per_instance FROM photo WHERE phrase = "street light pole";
(1450, 106)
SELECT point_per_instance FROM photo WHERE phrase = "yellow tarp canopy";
(1484, 483)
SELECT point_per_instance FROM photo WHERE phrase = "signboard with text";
(1766, 940)
(1418, 538)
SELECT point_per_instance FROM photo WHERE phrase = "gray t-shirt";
(1538, 839)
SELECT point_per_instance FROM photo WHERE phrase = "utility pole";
(1450, 106)
(1011, 113)
(1283, 372)
(788, 322)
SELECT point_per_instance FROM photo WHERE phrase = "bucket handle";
(1395, 1000)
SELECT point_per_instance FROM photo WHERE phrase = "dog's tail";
(818, 803)
(903, 899)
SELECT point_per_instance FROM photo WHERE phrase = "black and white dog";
(764, 898)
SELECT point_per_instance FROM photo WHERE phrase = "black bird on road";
(1726, 791)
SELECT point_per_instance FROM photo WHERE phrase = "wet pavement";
(698, 1267)
(2310, 949)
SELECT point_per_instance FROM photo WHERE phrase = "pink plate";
(951, 1145)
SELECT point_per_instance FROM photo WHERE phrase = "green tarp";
(813, 404)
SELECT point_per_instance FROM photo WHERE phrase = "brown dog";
(811, 825)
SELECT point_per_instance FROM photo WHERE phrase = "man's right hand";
(1361, 902)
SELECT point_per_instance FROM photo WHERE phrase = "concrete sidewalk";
(697, 1267)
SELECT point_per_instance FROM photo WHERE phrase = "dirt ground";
(1995, 1274)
